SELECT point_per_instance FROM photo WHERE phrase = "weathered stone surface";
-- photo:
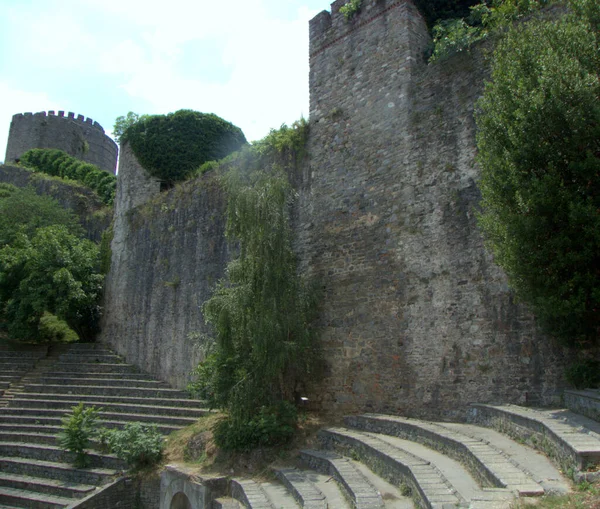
(168, 252)
(417, 319)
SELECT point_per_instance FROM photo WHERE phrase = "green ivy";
(452, 36)
(60, 164)
(351, 8)
(172, 147)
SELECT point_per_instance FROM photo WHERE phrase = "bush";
(538, 131)
(171, 147)
(60, 164)
(53, 329)
(22, 210)
(55, 272)
(78, 428)
(584, 374)
(139, 445)
(272, 426)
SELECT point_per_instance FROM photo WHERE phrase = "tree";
(52, 272)
(539, 150)
(123, 123)
(23, 210)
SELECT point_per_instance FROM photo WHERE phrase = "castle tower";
(80, 137)
(416, 317)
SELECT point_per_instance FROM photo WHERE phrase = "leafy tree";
(123, 123)
(22, 210)
(52, 271)
(261, 312)
(60, 164)
(435, 10)
(539, 149)
(171, 147)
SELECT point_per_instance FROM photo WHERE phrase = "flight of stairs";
(40, 387)
(372, 461)
(382, 461)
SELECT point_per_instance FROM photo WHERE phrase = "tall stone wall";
(416, 319)
(78, 136)
(168, 251)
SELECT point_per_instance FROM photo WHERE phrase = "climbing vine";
(171, 147)
(262, 310)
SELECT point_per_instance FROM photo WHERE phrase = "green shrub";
(538, 131)
(171, 147)
(350, 8)
(53, 271)
(271, 426)
(139, 445)
(60, 164)
(53, 329)
(584, 374)
(78, 428)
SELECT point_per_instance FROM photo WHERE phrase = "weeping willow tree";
(262, 311)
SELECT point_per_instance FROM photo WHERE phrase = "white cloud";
(18, 101)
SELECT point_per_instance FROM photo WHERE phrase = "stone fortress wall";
(80, 137)
(416, 318)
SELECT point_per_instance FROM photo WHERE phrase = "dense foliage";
(51, 271)
(171, 147)
(539, 146)
(78, 428)
(123, 123)
(436, 10)
(262, 311)
(350, 8)
(60, 164)
(139, 445)
(453, 35)
(22, 210)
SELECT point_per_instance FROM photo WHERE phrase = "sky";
(244, 60)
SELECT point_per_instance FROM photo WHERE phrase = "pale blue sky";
(244, 60)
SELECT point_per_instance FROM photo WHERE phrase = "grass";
(193, 447)
(585, 496)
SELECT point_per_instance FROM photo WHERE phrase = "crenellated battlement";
(79, 136)
(328, 28)
(61, 114)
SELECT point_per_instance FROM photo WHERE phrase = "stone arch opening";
(180, 501)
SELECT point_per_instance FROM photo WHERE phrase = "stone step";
(52, 426)
(432, 479)
(353, 483)
(279, 496)
(88, 346)
(159, 408)
(8, 354)
(16, 363)
(488, 465)
(94, 368)
(100, 400)
(29, 438)
(225, 503)
(91, 358)
(48, 486)
(250, 494)
(106, 382)
(99, 376)
(586, 403)
(58, 471)
(106, 391)
(55, 454)
(31, 500)
(9, 378)
(38, 414)
(570, 439)
(301, 488)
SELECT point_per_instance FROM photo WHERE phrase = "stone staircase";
(40, 387)
(381, 461)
